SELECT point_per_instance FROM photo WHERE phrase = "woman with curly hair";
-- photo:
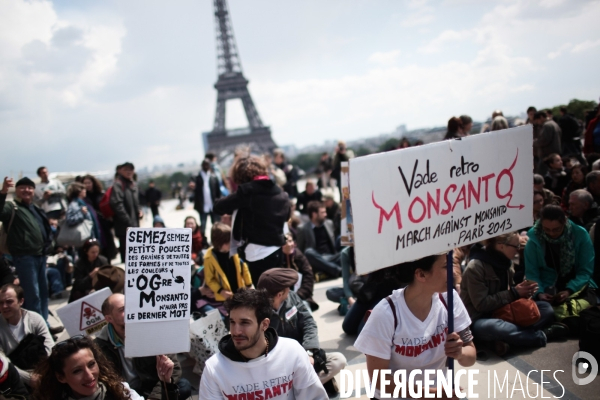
(77, 369)
(261, 210)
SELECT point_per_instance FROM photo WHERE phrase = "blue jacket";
(537, 270)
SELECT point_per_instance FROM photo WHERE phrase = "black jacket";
(305, 198)
(215, 191)
(263, 208)
(145, 367)
(294, 321)
(124, 201)
(153, 196)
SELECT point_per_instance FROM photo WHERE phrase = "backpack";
(589, 331)
(105, 207)
(393, 307)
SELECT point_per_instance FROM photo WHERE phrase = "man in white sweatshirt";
(16, 323)
(253, 362)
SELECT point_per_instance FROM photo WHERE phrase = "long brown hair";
(49, 388)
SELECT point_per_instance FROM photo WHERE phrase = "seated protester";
(559, 257)
(460, 257)
(78, 211)
(583, 210)
(316, 241)
(86, 269)
(549, 197)
(254, 356)
(77, 369)
(190, 222)
(369, 290)
(294, 259)
(538, 204)
(291, 319)
(11, 386)
(158, 222)
(311, 193)
(262, 211)
(344, 295)
(202, 299)
(331, 207)
(141, 373)
(577, 181)
(592, 180)
(487, 285)
(224, 274)
(556, 178)
(417, 311)
(20, 330)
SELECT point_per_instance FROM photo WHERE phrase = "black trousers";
(256, 268)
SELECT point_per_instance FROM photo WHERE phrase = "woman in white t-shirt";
(420, 339)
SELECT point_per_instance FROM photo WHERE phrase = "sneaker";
(556, 331)
(56, 296)
(501, 348)
(343, 308)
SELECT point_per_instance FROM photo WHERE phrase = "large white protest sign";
(84, 316)
(419, 201)
(157, 291)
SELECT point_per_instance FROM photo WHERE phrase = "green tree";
(307, 161)
(362, 151)
(577, 107)
(391, 143)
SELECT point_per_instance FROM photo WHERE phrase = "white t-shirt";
(416, 344)
(18, 330)
(285, 373)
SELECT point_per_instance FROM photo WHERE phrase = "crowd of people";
(267, 245)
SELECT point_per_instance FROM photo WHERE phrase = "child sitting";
(224, 274)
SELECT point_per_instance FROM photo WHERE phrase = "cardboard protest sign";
(419, 201)
(84, 316)
(347, 235)
(157, 290)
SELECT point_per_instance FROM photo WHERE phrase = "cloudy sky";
(85, 85)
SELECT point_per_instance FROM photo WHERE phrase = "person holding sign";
(408, 330)
(77, 369)
(141, 373)
(262, 209)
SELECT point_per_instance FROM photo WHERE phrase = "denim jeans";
(203, 217)
(55, 280)
(491, 329)
(32, 275)
(327, 263)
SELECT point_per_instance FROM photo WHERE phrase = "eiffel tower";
(232, 84)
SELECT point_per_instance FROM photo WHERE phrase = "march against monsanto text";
(477, 190)
(157, 274)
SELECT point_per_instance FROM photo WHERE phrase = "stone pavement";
(521, 369)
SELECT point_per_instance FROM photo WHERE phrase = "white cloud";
(385, 58)
(585, 46)
(421, 14)
(444, 38)
(556, 53)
